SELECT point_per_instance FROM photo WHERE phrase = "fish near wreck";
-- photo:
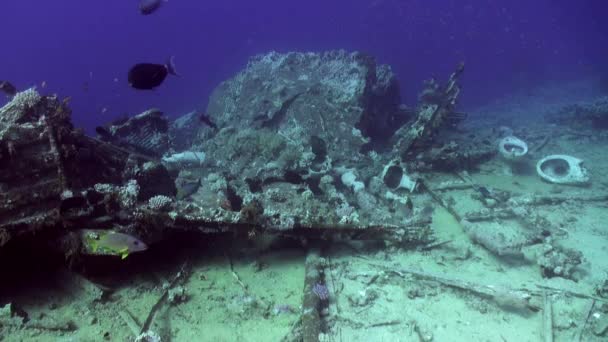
(146, 76)
(109, 242)
(149, 6)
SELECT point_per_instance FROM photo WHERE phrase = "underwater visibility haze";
(374, 170)
(80, 48)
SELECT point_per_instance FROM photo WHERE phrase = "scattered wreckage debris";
(145, 333)
(511, 224)
(12, 317)
(207, 221)
(316, 299)
(437, 104)
(36, 139)
(503, 296)
(316, 296)
(82, 182)
(117, 184)
(108, 191)
(145, 133)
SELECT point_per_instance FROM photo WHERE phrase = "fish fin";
(171, 66)
(124, 253)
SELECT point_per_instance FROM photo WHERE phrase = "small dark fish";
(8, 88)
(207, 120)
(149, 76)
(149, 6)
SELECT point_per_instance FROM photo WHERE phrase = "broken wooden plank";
(547, 318)
(432, 115)
(217, 221)
(553, 199)
(311, 304)
(581, 332)
(439, 199)
(502, 295)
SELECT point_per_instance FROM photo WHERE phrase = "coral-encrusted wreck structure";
(301, 146)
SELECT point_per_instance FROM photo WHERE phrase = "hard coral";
(17, 108)
(160, 203)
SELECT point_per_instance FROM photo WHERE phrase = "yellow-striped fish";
(109, 242)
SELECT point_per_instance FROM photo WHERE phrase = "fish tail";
(171, 66)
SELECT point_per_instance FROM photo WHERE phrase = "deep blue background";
(507, 45)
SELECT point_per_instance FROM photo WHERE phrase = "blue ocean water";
(84, 49)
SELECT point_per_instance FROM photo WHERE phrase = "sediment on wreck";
(46, 166)
(32, 172)
(289, 157)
